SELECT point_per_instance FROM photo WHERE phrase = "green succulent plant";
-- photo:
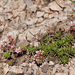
(6, 55)
(64, 60)
(47, 38)
(10, 63)
(61, 46)
(23, 47)
(31, 50)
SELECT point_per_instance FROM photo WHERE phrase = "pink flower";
(12, 46)
(2, 41)
(18, 50)
(35, 56)
(73, 24)
(39, 52)
(8, 35)
(9, 45)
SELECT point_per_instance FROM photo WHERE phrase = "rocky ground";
(26, 21)
(45, 69)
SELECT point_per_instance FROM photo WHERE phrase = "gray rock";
(30, 36)
(60, 74)
(31, 22)
(1, 29)
(51, 63)
(72, 71)
(11, 73)
(45, 68)
(29, 3)
(40, 14)
(53, 5)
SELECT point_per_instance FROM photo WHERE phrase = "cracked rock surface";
(25, 21)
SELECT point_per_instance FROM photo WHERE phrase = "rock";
(22, 7)
(73, 45)
(1, 54)
(22, 37)
(7, 10)
(33, 8)
(54, 6)
(62, 17)
(51, 63)
(60, 3)
(34, 67)
(19, 70)
(35, 43)
(24, 64)
(31, 22)
(22, 27)
(11, 73)
(29, 3)
(45, 68)
(9, 16)
(22, 42)
(54, 69)
(29, 36)
(40, 20)
(2, 71)
(51, 29)
(1, 9)
(53, 15)
(72, 71)
(35, 31)
(15, 13)
(46, 15)
(73, 15)
(39, 14)
(59, 73)
(67, 28)
(43, 30)
(6, 68)
(16, 69)
(0, 65)
(2, 18)
(1, 29)
(22, 16)
(14, 33)
(25, 69)
(46, 9)
(60, 27)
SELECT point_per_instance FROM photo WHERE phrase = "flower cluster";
(3, 43)
(73, 24)
(11, 40)
(38, 56)
(18, 50)
(10, 46)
